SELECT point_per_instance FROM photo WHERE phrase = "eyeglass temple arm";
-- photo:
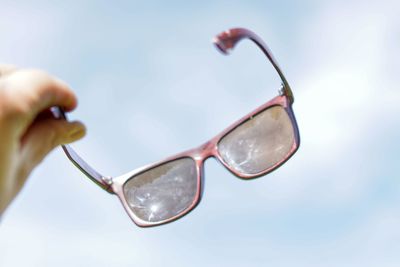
(227, 40)
(99, 179)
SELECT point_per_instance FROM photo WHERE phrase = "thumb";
(42, 137)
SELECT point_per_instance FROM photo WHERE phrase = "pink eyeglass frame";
(224, 42)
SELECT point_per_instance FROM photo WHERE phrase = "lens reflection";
(164, 191)
(259, 143)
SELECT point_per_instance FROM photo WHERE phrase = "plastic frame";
(224, 42)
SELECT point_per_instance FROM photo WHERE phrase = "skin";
(28, 132)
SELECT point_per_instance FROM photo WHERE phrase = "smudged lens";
(259, 143)
(164, 191)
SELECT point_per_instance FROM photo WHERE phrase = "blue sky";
(150, 84)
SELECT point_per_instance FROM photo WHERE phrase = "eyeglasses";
(253, 146)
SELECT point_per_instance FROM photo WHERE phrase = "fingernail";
(77, 132)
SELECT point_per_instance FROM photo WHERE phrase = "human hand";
(28, 131)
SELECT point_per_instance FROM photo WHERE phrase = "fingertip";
(68, 98)
(70, 104)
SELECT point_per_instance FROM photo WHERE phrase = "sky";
(150, 84)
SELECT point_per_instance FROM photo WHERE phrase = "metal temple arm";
(227, 40)
(91, 173)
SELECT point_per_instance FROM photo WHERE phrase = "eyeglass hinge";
(285, 90)
(107, 179)
(282, 90)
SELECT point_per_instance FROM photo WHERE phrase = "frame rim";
(199, 155)
(120, 181)
(280, 100)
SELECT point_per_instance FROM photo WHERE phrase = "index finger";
(29, 92)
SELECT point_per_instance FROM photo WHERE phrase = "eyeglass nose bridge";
(206, 150)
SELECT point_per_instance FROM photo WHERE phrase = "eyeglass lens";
(259, 143)
(163, 191)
